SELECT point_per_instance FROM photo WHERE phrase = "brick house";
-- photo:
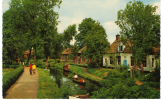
(79, 59)
(123, 56)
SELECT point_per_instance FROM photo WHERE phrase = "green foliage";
(125, 90)
(68, 35)
(58, 60)
(92, 35)
(10, 78)
(93, 65)
(140, 26)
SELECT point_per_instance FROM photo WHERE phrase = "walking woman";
(34, 68)
(30, 68)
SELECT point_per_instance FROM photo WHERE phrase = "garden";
(117, 83)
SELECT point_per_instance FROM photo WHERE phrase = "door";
(125, 62)
(78, 60)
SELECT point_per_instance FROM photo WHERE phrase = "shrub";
(124, 91)
(58, 60)
(11, 78)
(93, 65)
(10, 66)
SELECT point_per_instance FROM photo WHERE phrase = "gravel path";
(25, 87)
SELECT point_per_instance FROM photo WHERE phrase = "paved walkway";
(85, 69)
(25, 87)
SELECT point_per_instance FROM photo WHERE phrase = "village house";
(65, 54)
(121, 54)
(26, 53)
(79, 59)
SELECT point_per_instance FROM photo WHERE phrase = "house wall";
(149, 63)
(124, 56)
(127, 56)
(79, 60)
(64, 57)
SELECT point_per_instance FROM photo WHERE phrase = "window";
(105, 60)
(111, 60)
(152, 62)
(132, 61)
(121, 48)
(119, 60)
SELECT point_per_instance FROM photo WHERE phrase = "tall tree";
(47, 26)
(68, 34)
(140, 26)
(93, 35)
(13, 29)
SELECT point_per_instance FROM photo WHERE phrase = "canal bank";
(64, 80)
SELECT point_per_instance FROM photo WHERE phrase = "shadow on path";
(26, 87)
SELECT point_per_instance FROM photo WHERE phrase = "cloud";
(5, 5)
(158, 9)
(111, 30)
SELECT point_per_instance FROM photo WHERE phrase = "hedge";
(10, 66)
(10, 78)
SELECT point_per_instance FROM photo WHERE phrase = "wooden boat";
(66, 67)
(82, 96)
(78, 81)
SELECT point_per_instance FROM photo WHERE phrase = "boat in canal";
(78, 81)
(66, 67)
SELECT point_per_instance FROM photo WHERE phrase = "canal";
(65, 82)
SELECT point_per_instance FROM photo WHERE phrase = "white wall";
(127, 56)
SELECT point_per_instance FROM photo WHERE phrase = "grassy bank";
(48, 89)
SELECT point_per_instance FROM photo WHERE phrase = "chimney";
(117, 37)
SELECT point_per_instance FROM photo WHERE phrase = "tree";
(13, 29)
(68, 35)
(140, 26)
(47, 26)
(92, 35)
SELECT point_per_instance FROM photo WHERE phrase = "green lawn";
(103, 72)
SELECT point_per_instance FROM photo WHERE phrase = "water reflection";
(65, 82)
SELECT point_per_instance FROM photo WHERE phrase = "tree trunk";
(12, 60)
(18, 59)
(46, 62)
(133, 73)
(142, 68)
(55, 59)
(36, 60)
(35, 53)
(29, 56)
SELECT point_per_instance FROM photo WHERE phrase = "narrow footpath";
(26, 87)
(85, 69)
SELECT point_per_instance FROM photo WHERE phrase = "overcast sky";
(104, 11)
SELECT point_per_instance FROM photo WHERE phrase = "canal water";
(65, 82)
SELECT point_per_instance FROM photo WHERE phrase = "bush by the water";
(11, 78)
(93, 65)
(125, 90)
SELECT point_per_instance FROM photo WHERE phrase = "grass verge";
(48, 89)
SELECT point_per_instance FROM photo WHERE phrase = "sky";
(105, 11)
